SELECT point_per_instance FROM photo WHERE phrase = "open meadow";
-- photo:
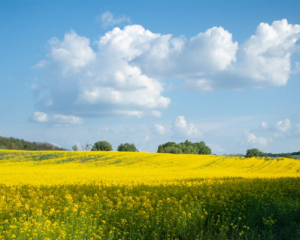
(119, 195)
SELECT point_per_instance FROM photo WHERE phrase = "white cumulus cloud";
(39, 117)
(107, 19)
(71, 54)
(183, 129)
(156, 113)
(216, 148)
(264, 125)
(56, 118)
(159, 129)
(203, 85)
(67, 119)
(209, 51)
(85, 82)
(122, 76)
(283, 126)
(252, 139)
(212, 60)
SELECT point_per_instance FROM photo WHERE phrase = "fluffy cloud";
(205, 53)
(71, 54)
(84, 82)
(216, 148)
(107, 19)
(203, 85)
(252, 139)
(67, 119)
(43, 118)
(212, 60)
(39, 117)
(266, 56)
(183, 129)
(122, 76)
(283, 126)
(283, 129)
(156, 113)
(159, 129)
(264, 125)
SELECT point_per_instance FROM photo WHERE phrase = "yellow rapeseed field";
(120, 195)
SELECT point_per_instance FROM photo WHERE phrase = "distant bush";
(126, 147)
(289, 155)
(254, 152)
(186, 147)
(102, 146)
(75, 148)
(174, 150)
(3, 147)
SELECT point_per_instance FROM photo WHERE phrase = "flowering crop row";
(84, 195)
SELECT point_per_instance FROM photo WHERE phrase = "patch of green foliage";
(126, 147)
(186, 147)
(102, 146)
(254, 152)
(21, 144)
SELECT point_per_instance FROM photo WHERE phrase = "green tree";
(2, 147)
(126, 147)
(75, 148)
(174, 150)
(186, 147)
(254, 152)
(87, 147)
(102, 146)
(203, 149)
(163, 146)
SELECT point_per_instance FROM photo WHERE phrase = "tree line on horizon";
(254, 152)
(21, 144)
(186, 147)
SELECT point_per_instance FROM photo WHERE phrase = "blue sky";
(148, 72)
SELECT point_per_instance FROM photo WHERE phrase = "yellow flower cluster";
(118, 195)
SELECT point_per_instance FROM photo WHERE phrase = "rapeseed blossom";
(115, 195)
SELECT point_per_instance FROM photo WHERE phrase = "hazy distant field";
(296, 156)
(115, 195)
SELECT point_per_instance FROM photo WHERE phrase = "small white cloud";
(204, 85)
(283, 126)
(138, 114)
(297, 67)
(40, 64)
(279, 135)
(156, 113)
(159, 129)
(33, 86)
(216, 148)
(181, 128)
(251, 138)
(264, 125)
(67, 119)
(107, 19)
(39, 117)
